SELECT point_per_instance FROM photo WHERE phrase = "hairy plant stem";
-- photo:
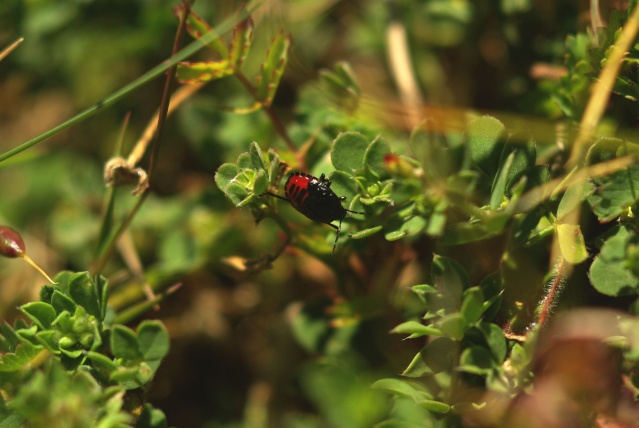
(553, 292)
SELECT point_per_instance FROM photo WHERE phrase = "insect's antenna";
(274, 195)
(339, 229)
(355, 212)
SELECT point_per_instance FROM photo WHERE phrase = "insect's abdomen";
(296, 189)
(313, 198)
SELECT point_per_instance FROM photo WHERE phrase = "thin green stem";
(137, 83)
(277, 124)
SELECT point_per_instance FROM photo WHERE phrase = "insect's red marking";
(297, 189)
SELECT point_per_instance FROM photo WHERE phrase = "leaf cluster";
(91, 365)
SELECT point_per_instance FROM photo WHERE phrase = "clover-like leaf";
(236, 193)
(153, 339)
(15, 361)
(124, 343)
(485, 136)
(348, 151)
(82, 289)
(609, 272)
(375, 156)
(42, 314)
(257, 157)
(225, 175)
(61, 302)
(617, 191)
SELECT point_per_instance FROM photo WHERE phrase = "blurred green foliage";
(475, 231)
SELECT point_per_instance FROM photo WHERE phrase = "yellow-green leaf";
(571, 243)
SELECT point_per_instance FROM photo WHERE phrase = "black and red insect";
(314, 198)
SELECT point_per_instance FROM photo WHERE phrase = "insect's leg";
(338, 229)
(274, 195)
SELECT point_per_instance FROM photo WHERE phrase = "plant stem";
(277, 124)
(137, 83)
(553, 291)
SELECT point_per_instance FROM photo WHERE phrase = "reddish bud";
(11, 243)
(399, 166)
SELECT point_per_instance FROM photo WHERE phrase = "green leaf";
(495, 339)
(257, 157)
(224, 175)
(42, 314)
(525, 154)
(571, 243)
(197, 27)
(240, 43)
(476, 360)
(375, 155)
(49, 339)
(61, 302)
(416, 329)
(102, 286)
(124, 343)
(434, 406)
(618, 191)
(501, 180)
(273, 68)
(404, 222)
(343, 184)
(101, 361)
(151, 418)
(438, 356)
(274, 170)
(450, 278)
(366, 232)
(204, 71)
(609, 272)
(9, 339)
(154, 340)
(236, 193)
(465, 232)
(15, 361)
(432, 151)
(572, 198)
(261, 183)
(348, 151)
(398, 387)
(244, 162)
(484, 136)
(472, 306)
(82, 290)
(453, 325)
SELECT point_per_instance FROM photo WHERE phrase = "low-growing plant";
(493, 265)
